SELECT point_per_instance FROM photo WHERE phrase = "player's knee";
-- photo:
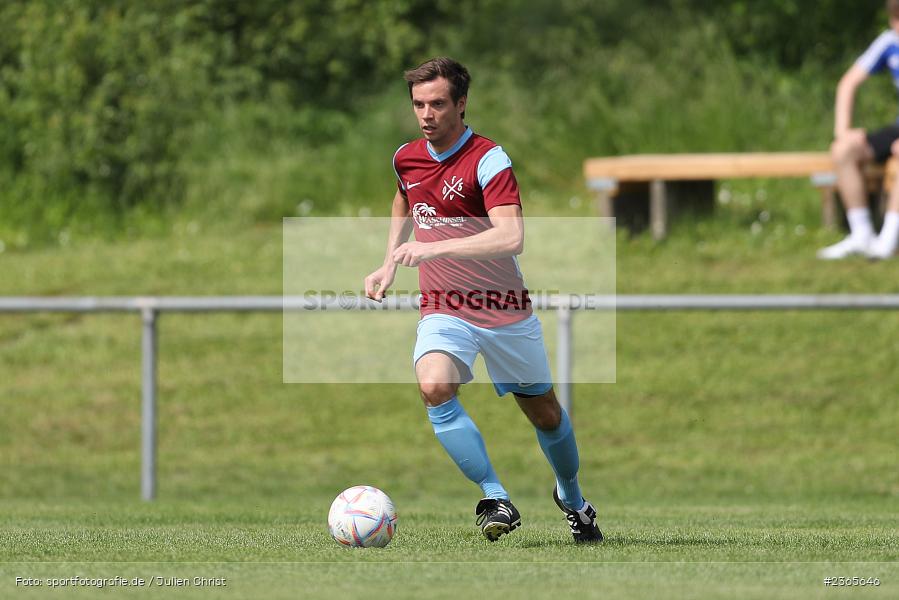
(547, 420)
(854, 149)
(836, 150)
(542, 414)
(435, 393)
(843, 151)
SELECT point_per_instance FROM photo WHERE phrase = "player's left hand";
(412, 253)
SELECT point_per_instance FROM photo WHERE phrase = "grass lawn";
(723, 550)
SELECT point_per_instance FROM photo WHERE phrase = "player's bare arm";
(845, 100)
(504, 238)
(377, 283)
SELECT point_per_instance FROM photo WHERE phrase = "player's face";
(439, 118)
(894, 24)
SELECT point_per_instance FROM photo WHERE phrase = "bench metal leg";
(605, 191)
(659, 212)
(604, 204)
(605, 207)
(829, 208)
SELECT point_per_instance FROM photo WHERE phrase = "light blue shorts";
(514, 354)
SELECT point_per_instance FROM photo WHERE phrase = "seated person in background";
(852, 148)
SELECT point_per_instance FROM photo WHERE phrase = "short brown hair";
(443, 66)
(893, 8)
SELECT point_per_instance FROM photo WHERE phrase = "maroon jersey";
(449, 195)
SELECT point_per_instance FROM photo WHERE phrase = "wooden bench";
(659, 185)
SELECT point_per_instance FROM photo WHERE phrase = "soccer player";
(852, 148)
(457, 191)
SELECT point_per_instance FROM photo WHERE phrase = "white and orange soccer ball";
(362, 516)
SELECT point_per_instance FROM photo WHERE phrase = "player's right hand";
(377, 283)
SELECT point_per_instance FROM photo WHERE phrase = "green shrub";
(99, 98)
(116, 112)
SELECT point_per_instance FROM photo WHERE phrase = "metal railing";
(566, 305)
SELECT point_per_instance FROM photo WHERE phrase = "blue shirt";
(882, 54)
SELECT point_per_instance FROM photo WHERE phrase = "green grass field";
(711, 550)
(737, 455)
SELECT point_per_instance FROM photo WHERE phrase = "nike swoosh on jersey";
(411, 185)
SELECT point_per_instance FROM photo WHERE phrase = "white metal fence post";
(563, 356)
(148, 405)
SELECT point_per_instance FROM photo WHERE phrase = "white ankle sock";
(889, 233)
(860, 222)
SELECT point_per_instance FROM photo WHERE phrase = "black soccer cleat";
(496, 517)
(582, 522)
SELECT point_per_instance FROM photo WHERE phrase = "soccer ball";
(362, 516)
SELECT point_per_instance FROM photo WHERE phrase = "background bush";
(122, 112)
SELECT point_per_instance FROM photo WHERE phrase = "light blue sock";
(463, 442)
(560, 449)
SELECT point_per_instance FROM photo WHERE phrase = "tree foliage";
(100, 94)
(792, 32)
(99, 98)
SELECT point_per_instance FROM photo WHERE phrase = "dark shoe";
(496, 517)
(582, 522)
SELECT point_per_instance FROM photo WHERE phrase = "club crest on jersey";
(452, 188)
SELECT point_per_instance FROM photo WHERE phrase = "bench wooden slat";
(674, 167)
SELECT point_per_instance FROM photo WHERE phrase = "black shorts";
(881, 140)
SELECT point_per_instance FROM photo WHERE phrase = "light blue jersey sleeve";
(492, 163)
(875, 57)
